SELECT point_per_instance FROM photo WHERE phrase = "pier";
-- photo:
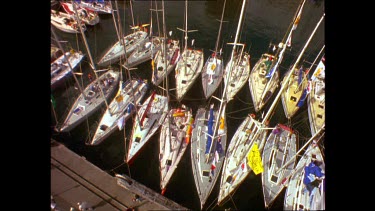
(74, 179)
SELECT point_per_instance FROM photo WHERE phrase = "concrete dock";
(74, 179)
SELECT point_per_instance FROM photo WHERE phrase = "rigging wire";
(250, 103)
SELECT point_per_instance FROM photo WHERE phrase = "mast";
(218, 34)
(89, 53)
(128, 70)
(114, 21)
(223, 101)
(70, 66)
(157, 16)
(131, 11)
(306, 144)
(186, 33)
(308, 70)
(280, 54)
(291, 72)
(165, 52)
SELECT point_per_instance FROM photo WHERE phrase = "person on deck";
(312, 179)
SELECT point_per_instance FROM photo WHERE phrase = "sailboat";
(235, 167)
(209, 138)
(316, 98)
(264, 77)
(93, 96)
(65, 22)
(297, 90)
(89, 17)
(150, 117)
(130, 93)
(174, 138)
(60, 68)
(101, 6)
(279, 154)
(172, 50)
(190, 64)
(279, 149)
(174, 135)
(138, 37)
(297, 196)
(213, 69)
(145, 51)
(208, 149)
(238, 66)
(241, 149)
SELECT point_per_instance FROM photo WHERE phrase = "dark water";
(265, 21)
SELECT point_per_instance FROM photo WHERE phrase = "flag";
(319, 69)
(295, 24)
(271, 72)
(153, 64)
(244, 167)
(254, 159)
(53, 101)
(192, 42)
(66, 8)
(302, 99)
(121, 122)
(289, 41)
(216, 156)
(308, 88)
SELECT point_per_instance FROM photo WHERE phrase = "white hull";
(174, 139)
(295, 196)
(238, 75)
(212, 75)
(65, 23)
(316, 105)
(204, 176)
(143, 52)
(119, 108)
(187, 74)
(97, 7)
(60, 68)
(88, 17)
(153, 120)
(173, 56)
(233, 172)
(131, 41)
(83, 108)
(279, 149)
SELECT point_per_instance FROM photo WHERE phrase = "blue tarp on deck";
(209, 130)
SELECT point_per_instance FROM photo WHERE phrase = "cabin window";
(78, 110)
(103, 127)
(274, 178)
(229, 179)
